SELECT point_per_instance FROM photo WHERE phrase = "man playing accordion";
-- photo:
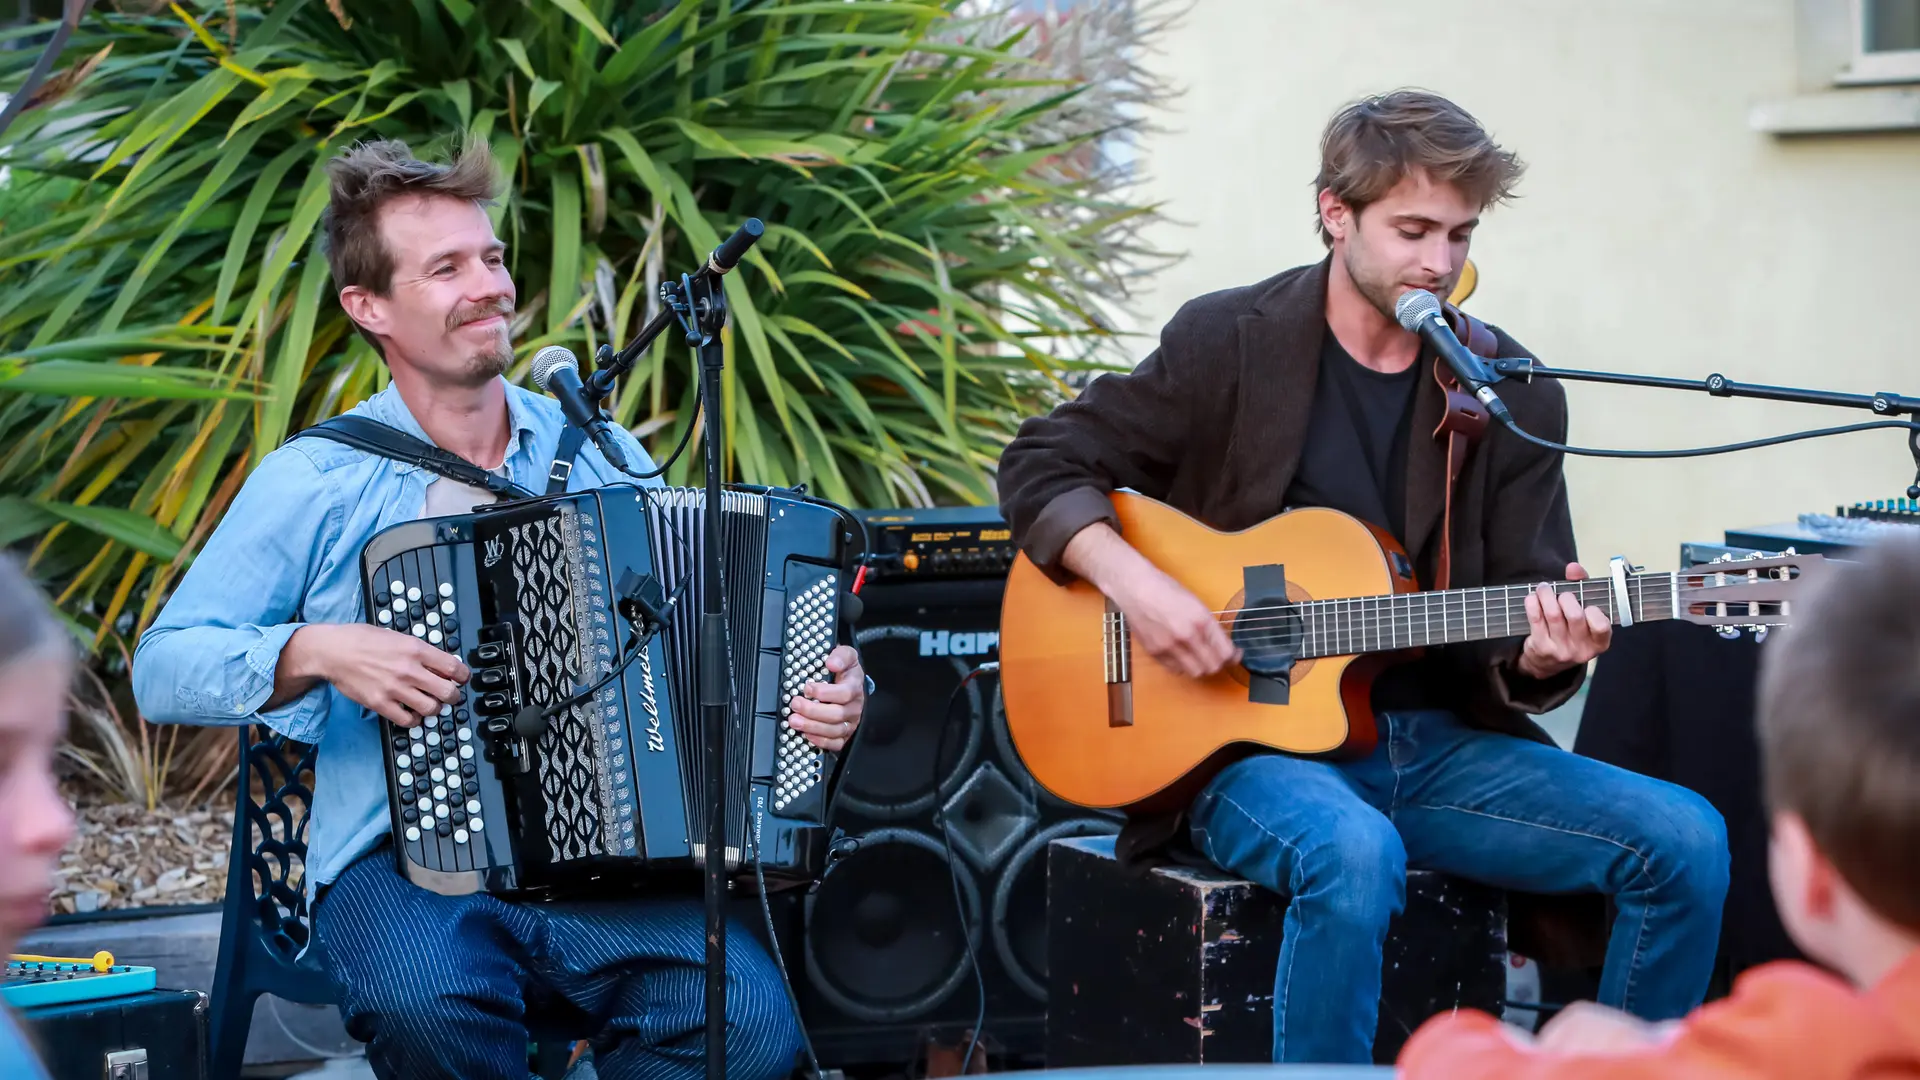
(266, 627)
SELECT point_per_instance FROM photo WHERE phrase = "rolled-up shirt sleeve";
(212, 652)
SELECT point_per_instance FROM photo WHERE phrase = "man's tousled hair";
(369, 175)
(1374, 143)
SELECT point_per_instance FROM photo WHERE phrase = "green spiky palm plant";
(941, 240)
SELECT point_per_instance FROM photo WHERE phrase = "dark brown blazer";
(1213, 421)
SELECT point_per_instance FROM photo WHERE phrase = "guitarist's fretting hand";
(1563, 633)
(1174, 626)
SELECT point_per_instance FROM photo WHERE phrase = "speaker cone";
(1020, 903)
(884, 942)
(906, 731)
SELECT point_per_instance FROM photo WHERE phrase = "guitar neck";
(1413, 620)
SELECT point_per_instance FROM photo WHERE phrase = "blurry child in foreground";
(36, 662)
(1840, 748)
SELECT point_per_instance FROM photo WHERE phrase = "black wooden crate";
(1177, 965)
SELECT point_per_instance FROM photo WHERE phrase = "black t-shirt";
(1355, 460)
(1355, 455)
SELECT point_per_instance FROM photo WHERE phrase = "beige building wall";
(1659, 231)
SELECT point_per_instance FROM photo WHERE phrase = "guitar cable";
(953, 868)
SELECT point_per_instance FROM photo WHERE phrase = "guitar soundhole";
(1270, 637)
(1269, 641)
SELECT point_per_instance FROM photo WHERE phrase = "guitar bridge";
(1117, 650)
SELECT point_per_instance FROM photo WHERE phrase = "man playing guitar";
(1301, 391)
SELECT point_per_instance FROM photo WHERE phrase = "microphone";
(1419, 311)
(558, 373)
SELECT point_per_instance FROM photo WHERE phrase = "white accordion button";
(475, 824)
(434, 637)
(433, 618)
(406, 778)
(426, 805)
(473, 806)
(446, 710)
(399, 604)
(413, 833)
(404, 762)
(440, 811)
(433, 738)
(419, 631)
(465, 734)
(413, 593)
(416, 735)
(459, 836)
(446, 607)
(385, 617)
(438, 775)
(396, 587)
(439, 792)
(446, 588)
(466, 752)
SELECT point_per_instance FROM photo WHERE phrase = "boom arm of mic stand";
(724, 258)
(1884, 404)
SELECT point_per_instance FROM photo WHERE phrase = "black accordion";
(546, 600)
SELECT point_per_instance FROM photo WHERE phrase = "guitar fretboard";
(1413, 620)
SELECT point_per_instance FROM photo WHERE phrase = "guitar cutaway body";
(1100, 723)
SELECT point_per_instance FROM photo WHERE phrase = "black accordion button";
(416, 610)
(381, 599)
(453, 643)
(458, 817)
(472, 786)
(410, 815)
(450, 624)
(462, 715)
(444, 829)
(400, 743)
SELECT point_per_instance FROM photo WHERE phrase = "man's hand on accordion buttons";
(396, 675)
(829, 713)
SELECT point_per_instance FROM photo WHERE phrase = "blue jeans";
(1337, 838)
(454, 986)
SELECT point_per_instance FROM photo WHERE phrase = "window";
(1886, 42)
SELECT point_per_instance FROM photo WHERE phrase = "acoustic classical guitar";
(1318, 602)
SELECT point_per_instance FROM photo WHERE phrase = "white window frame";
(1893, 66)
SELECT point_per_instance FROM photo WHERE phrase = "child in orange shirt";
(1839, 724)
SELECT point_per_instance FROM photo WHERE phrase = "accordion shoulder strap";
(374, 437)
(571, 439)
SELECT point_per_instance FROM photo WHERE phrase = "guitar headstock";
(1753, 592)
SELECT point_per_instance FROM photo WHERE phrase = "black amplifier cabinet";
(936, 543)
(949, 832)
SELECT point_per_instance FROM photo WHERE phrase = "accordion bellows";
(608, 793)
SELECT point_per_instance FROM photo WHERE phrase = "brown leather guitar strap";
(1461, 426)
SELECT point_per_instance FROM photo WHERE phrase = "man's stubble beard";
(493, 361)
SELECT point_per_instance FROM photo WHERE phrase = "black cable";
(685, 438)
(1704, 451)
(953, 870)
(779, 961)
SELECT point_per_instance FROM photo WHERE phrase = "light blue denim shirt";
(287, 553)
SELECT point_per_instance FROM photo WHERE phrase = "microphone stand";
(698, 303)
(1884, 404)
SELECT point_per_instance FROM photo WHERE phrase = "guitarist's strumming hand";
(1563, 633)
(1164, 617)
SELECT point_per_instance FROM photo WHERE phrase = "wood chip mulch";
(124, 856)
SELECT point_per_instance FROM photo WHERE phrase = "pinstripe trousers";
(454, 986)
